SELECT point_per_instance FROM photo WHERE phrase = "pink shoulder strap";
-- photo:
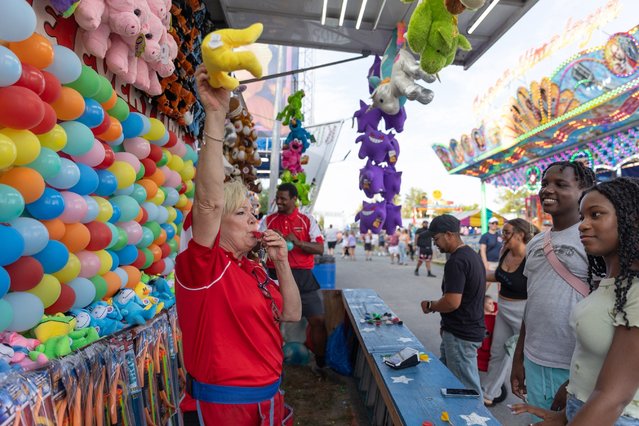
(574, 282)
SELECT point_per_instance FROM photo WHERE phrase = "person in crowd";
(546, 342)
(222, 296)
(490, 246)
(352, 245)
(489, 305)
(393, 246)
(411, 237)
(368, 245)
(403, 247)
(375, 243)
(302, 231)
(462, 303)
(382, 244)
(344, 244)
(512, 301)
(604, 371)
(331, 239)
(424, 244)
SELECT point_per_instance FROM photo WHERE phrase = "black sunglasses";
(262, 284)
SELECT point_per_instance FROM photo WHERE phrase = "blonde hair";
(235, 193)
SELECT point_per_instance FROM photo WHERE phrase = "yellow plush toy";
(220, 59)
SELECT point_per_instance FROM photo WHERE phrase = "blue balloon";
(66, 65)
(170, 231)
(34, 233)
(67, 177)
(124, 191)
(147, 238)
(10, 67)
(178, 218)
(13, 245)
(115, 260)
(88, 182)
(93, 209)
(17, 20)
(5, 281)
(134, 125)
(172, 197)
(163, 215)
(49, 206)
(127, 255)
(118, 141)
(115, 218)
(108, 183)
(93, 114)
(53, 257)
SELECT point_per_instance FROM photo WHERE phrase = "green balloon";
(139, 193)
(174, 245)
(105, 91)
(120, 110)
(117, 148)
(163, 160)
(100, 287)
(114, 234)
(47, 164)
(148, 256)
(190, 193)
(88, 84)
(122, 240)
(140, 175)
(154, 228)
(6, 314)
(11, 203)
(147, 238)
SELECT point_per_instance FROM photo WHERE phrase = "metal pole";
(484, 213)
(275, 140)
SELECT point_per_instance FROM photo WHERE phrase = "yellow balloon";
(70, 271)
(106, 261)
(124, 173)
(8, 152)
(176, 163)
(181, 201)
(158, 198)
(54, 139)
(105, 210)
(168, 155)
(48, 290)
(188, 171)
(172, 214)
(189, 185)
(27, 145)
(157, 130)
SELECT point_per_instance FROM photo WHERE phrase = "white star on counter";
(405, 339)
(402, 379)
(368, 329)
(475, 419)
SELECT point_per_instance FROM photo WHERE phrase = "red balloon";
(140, 260)
(31, 78)
(20, 108)
(48, 121)
(149, 166)
(182, 189)
(109, 157)
(145, 216)
(65, 301)
(156, 268)
(166, 250)
(172, 140)
(102, 127)
(25, 273)
(52, 87)
(100, 236)
(156, 153)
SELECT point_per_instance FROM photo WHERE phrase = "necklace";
(458, 247)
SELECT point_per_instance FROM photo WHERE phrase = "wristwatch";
(429, 306)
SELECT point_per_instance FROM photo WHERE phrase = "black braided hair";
(585, 176)
(623, 193)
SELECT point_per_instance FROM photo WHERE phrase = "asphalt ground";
(403, 291)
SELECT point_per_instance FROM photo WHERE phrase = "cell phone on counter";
(460, 393)
(407, 357)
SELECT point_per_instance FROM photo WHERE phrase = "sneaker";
(430, 274)
(416, 272)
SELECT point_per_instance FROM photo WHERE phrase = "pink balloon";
(94, 157)
(178, 149)
(139, 147)
(89, 264)
(173, 179)
(74, 207)
(128, 158)
(133, 231)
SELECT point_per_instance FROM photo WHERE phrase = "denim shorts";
(573, 405)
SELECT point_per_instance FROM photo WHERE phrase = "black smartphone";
(467, 393)
(407, 357)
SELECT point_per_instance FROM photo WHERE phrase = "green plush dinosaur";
(59, 346)
(299, 180)
(293, 109)
(433, 34)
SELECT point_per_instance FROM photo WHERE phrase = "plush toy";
(395, 121)
(105, 318)
(59, 346)
(300, 133)
(162, 291)
(22, 348)
(375, 145)
(54, 326)
(371, 217)
(371, 179)
(299, 180)
(367, 116)
(291, 157)
(293, 110)
(458, 6)
(131, 307)
(144, 293)
(392, 183)
(219, 58)
(393, 218)
(393, 152)
(433, 34)
(161, 9)
(390, 96)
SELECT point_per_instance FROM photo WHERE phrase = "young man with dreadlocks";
(546, 342)
(604, 372)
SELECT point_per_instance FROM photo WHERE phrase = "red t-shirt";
(303, 226)
(230, 336)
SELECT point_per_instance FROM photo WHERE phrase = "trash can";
(324, 271)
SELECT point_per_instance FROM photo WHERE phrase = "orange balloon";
(26, 181)
(36, 50)
(69, 105)
(56, 228)
(113, 132)
(76, 237)
(139, 217)
(157, 252)
(187, 207)
(161, 239)
(177, 239)
(158, 177)
(150, 187)
(134, 275)
(113, 284)
(111, 102)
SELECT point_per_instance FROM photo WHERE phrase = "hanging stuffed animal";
(371, 217)
(393, 153)
(371, 179)
(393, 218)
(300, 133)
(392, 183)
(293, 110)
(375, 145)
(291, 157)
(458, 6)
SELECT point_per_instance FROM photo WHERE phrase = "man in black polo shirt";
(462, 303)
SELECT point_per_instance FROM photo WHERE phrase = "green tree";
(514, 201)
(415, 198)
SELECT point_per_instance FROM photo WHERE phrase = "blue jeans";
(460, 356)
(573, 405)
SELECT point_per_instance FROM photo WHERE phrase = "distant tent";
(473, 217)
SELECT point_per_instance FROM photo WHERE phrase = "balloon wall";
(92, 195)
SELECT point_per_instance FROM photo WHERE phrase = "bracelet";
(207, 136)
(429, 306)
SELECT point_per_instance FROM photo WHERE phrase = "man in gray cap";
(462, 304)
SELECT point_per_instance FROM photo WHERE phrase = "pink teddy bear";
(291, 157)
(162, 9)
(20, 347)
(146, 77)
(89, 14)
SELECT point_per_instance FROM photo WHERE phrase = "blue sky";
(338, 90)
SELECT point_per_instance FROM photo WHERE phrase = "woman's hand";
(275, 246)
(549, 418)
(213, 100)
